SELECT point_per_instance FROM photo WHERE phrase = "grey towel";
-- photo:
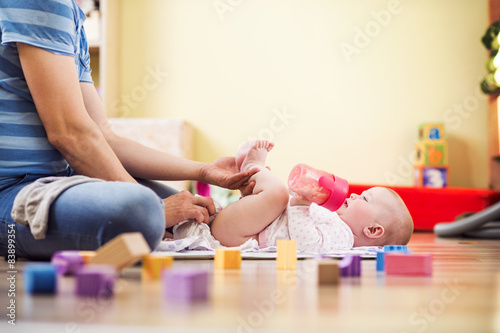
(32, 203)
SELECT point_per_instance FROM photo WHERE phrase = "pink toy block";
(67, 262)
(96, 281)
(185, 285)
(350, 265)
(408, 264)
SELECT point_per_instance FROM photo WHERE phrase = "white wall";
(231, 73)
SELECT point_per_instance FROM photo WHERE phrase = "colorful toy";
(185, 285)
(318, 186)
(431, 164)
(40, 278)
(389, 248)
(152, 266)
(328, 272)
(67, 262)
(350, 265)
(431, 132)
(431, 176)
(122, 251)
(431, 154)
(399, 263)
(96, 281)
(287, 254)
(227, 258)
(86, 255)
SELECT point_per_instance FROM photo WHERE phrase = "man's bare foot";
(253, 153)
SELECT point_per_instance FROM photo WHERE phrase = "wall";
(340, 85)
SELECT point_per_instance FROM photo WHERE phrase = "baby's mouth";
(346, 204)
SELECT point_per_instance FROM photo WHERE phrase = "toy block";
(152, 266)
(86, 255)
(431, 154)
(328, 272)
(389, 248)
(40, 278)
(350, 265)
(431, 176)
(67, 262)
(431, 132)
(287, 254)
(122, 251)
(227, 258)
(96, 281)
(185, 285)
(399, 263)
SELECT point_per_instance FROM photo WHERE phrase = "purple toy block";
(350, 265)
(185, 285)
(67, 262)
(96, 281)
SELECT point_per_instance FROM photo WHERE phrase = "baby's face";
(359, 211)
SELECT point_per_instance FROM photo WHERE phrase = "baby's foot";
(253, 153)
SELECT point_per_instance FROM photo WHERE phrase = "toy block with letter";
(398, 263)
(96, 281)
(287, 254)
(40, 278)
(122, 251)
(328, 272)
(429, 176)
(227, 258)
(152, 266)
(431, 154)
(431, 132)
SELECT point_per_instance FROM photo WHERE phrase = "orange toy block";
(153, 266)
(86, 255)
(122, 251)
(287, 254)
(328, 272)
(227, 259)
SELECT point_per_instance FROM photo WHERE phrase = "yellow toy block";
(122, 251)
(86, 255)
(431, 132)
(431, 154)
(227, 258)
(431, 176)
(328, 272)
(153, 266)
(287, 254)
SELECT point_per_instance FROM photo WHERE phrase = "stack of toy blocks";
(431, 165)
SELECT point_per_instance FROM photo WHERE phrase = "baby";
(378, 216)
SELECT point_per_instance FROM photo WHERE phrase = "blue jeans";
(86, 216)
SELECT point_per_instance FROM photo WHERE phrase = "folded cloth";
(32, 203)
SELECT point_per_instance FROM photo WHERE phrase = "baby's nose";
(353, 196)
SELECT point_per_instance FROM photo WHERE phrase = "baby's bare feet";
(253, 153)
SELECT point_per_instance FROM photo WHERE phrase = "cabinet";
(493, 118)
(102, 28)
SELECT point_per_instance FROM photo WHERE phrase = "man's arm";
(54, 85)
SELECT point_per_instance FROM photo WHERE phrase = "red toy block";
(398, 263)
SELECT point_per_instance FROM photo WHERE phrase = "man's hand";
(224, 173)
(183, 206)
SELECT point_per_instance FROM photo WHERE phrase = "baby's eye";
(364, 198)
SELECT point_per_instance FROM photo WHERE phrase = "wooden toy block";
(122, 251)
(67, 262)
(182, 285)
(431, 132)
(40, 278)
(227, 258)
(86, 255)
(153, 266)
(431, 154)
(328, 272)
(96, 281)
(350, 265)
(431, 176)
(287, 254)
(398, 263)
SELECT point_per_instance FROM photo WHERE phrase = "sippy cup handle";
(338, 188)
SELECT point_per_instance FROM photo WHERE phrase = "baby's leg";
(245, 218)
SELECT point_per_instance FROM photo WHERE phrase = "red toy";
(398, 263)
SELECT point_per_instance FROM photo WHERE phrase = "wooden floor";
(462, 295)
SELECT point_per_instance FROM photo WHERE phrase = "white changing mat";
(193, 240)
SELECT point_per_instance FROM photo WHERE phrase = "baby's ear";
(374, 231)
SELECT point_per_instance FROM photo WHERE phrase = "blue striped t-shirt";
(53, 25)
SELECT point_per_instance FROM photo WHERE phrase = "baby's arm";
(315, 229)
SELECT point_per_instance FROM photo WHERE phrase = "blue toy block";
(350, 265)
(40, 278)
(389, 248)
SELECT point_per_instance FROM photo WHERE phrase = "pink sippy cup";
(318, 186)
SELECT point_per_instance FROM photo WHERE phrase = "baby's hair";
(403, 218)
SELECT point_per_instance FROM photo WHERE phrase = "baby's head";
(377, 217)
